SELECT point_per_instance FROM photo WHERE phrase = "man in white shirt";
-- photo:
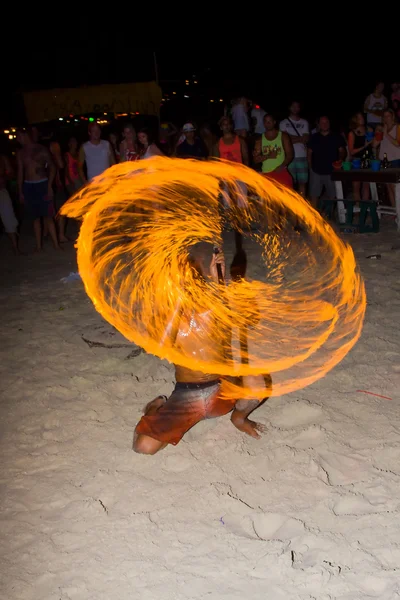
(299, 132)
(257, 115)
(96, 153)
(239, 116)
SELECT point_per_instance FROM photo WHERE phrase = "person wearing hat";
(192, 146)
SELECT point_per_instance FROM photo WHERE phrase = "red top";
(232, 152)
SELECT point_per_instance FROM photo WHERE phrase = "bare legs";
(48, 223)
(14, 241)
(391, 193)
(61, 229)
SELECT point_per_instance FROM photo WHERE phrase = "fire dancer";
(197, 396)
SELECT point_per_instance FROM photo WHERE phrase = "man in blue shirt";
(192, 146)
(324, 148)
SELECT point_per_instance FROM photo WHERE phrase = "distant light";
(68, 121)
(186, 80)
(10, 137)
(137, 113)
(221, 99)
(185, 96)
(91, 119)
(211, 100)
(105, 114)
(6, 131)
(71, 116)
(83, 118)
(60, 119)
(194, 81)
(187, 83)
(174, 92)
(13, 129)
(257, 106)
(76, 120)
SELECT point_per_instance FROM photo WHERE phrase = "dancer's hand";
(217, 259)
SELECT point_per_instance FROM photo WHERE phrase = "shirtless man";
(7, 214)
(36, 173)
(196, 395)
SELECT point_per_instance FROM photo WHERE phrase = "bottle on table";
(366, 159)
(385, 162)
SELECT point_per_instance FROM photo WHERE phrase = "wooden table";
(372, 177)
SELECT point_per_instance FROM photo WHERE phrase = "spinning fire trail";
(140, 223)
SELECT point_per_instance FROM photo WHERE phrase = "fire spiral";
(294, 316)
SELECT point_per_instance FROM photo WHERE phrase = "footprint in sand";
(309, 438)
(343, 469)
(274, 526)
(296, 414)
(176, 464)
(354, 505)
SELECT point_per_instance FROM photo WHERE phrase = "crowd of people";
(289, 152)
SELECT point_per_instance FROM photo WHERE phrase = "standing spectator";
(36, 173)
(240, 117)
(147, 146)
(275, 151)
(96, 153)
(374, 105)
(395, 99)
(234, 148)
(60, 193)
(208, 137)
(257, 116)
(192, 146)
(73, 180)
(324, 148)
(128, 150)
(113, 139)
(167, 136)
(390, 145)
(357, 144)
(299, 132)
(231, 146)
(7, 214)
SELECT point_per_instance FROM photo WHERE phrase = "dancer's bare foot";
(252, 428)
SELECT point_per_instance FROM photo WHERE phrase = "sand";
(310, 511)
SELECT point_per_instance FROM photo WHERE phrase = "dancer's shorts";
(37, 202)
(188, 404)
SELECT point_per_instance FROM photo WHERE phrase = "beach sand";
(310, 511)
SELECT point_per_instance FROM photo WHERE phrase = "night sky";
(321, 73)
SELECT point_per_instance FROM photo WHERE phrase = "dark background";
(271, 65)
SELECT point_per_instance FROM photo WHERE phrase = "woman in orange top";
(234, 148)
(231, 146)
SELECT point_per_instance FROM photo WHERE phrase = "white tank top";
(375, 104)
(97, 158)
(392, 151)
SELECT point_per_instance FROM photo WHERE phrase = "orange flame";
(300, 317)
